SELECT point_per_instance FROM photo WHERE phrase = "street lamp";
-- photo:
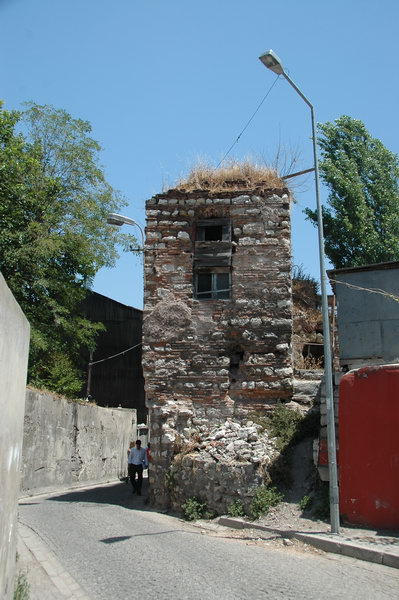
(272, 62)
(119, 220)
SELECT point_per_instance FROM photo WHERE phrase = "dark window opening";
(217, 230)
(236, 359)
(314, 353)
(211, 285)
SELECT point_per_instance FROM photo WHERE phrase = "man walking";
(137, 461)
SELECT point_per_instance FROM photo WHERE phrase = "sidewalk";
(47, 578)
(363, 544)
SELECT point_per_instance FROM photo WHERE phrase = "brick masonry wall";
(191, 376)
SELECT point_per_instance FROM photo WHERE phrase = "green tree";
(54, 200)
(361, 221)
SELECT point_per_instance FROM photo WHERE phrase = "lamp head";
(119, 220)
(272, 62)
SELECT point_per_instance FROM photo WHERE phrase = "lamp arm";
(142, 235)
(298, 91)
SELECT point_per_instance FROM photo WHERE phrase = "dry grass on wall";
(236, 175)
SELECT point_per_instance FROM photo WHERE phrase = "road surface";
(116, 547)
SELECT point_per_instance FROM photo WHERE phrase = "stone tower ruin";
(217, 315)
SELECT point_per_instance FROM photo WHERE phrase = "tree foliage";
(361, 221)
(54, 200)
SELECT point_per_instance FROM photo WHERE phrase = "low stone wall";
(14, 346)
(220, 464)
(67, 444)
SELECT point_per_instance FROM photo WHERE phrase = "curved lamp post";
(272, 62)
(119, 220)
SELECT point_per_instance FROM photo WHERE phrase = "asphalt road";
(116, 547)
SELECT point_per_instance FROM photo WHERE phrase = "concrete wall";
(68, 444)
(14, 346)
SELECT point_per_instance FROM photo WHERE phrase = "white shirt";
(138, 457)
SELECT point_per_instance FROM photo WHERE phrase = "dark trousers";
(136, 483)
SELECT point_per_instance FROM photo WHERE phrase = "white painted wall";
(14, 348)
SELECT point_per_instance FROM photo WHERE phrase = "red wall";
(369, 446)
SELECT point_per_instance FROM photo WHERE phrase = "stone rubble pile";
(221, 464)
(233, 442)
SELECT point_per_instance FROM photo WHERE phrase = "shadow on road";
(119, 494)
(122, 538)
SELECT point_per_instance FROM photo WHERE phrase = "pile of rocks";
(221, 464)
(232, 442)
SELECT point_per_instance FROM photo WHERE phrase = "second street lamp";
(272, 62)
(119, 220)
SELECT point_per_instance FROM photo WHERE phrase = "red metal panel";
(369, 446)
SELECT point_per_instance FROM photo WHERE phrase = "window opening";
(213, 231)
(212, 285)
(212, 259)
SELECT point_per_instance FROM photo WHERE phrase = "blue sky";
(167, 83)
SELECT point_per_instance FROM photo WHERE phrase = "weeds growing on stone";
(305, 503)
(193, 509)
(22, 587)
(263, 500)
(236, 509)
(283, 423)
(288, 426)
(181, 447)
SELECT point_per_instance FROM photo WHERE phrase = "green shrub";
(305, 503)
(193, 509)
(236, 509)
(288, 426)
(264, 498)
(22, 587)
(283, 424)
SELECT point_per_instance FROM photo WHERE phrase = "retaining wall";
(67, 444)
(14, 346)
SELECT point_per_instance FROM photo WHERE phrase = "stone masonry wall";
(209, 360)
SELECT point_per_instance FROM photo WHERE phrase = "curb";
(323, 541)
(67, 587)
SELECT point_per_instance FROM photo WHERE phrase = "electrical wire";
(249, 121)
(370, 290)
(114, 355)
(224, 157)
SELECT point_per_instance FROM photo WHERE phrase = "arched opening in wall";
(236, 359)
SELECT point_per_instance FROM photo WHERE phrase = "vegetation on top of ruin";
(235, 176)
(56, 396)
